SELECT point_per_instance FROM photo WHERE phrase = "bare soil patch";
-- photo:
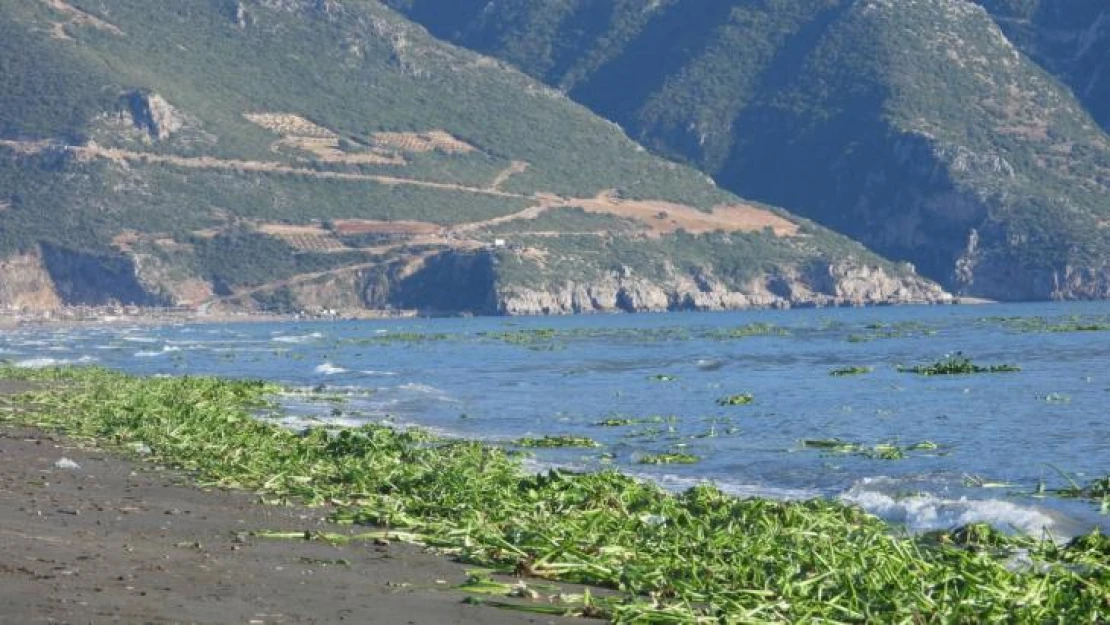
(304, 238)
(666, 217)
(419, 142)
(81, 18)
(365, 226)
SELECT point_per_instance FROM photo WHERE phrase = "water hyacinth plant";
(557, 441)
(736, 400)
(700, 556)
(669, 458)
(847, 371)
(958, 364)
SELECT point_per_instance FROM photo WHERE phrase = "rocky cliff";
(819, 285)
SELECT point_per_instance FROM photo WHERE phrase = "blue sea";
(975, 447)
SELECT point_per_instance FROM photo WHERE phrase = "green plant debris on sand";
(696, 556)
(742, 399)
(847, 371)
(557, 441)
(958, 365)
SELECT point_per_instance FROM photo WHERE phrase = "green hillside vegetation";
(905, 125)
(193, 131)
(1071, 40)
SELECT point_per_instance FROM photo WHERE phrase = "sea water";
(998, 436)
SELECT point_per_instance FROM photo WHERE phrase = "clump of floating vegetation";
(736, 400)
(522, 337)
(616, 422)
(1097, 490)
(957, 364)
(881, 451)
(662, 377)
(745, 331)
(619, 421)
(669, 458)
(557, 441)
(1072, 323)
(700, 556)
(391, 338)
(847, 371)
(903, 329)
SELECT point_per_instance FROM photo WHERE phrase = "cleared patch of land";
(419, 142)
(666, 217)
(81, 18)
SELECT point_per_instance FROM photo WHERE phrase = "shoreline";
(114, 316)
(112, 539)
(683, 556)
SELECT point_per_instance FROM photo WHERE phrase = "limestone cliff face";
(1001, 274)
(151, 113)
(458, 282)
(84, 279)
(817, 285)
(25, 284)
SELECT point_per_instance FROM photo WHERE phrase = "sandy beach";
(114, 541)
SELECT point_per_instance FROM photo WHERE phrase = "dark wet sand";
(118, 541)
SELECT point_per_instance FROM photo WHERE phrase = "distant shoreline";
(116, 316)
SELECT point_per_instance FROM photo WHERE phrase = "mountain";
(330, 154)
(939, 132)
(1069, 39)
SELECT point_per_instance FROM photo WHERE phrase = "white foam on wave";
(42, 363)
(420, 388)
(329, 369)
(294, 339)
(678, 483)
(925, 512)
(140, 339)
(166, 349)
(382, 373)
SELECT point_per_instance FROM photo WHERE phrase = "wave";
(420, 388)
(166, 349)
(329, 369)
(294, 339)
(42, 363)
(925, 512)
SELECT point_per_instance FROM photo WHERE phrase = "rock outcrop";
(152, 114)
(25, 285)
(819, 285)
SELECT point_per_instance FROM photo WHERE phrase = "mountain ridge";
(918, 127)
(303, 155)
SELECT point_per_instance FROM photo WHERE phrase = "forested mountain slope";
(311, 154)
(920, 127)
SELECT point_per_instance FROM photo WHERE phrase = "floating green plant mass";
(736, 400)
(700, 556)
(557, 441)
(847, 371)
(958, 365)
